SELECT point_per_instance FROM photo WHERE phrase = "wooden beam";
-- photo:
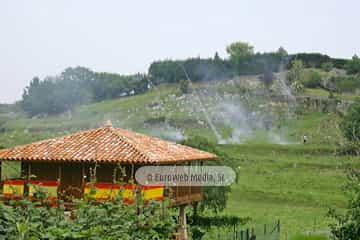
(28, 177)
(59, 172)
(83, 174)
(182, 223)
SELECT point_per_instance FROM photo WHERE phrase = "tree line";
(79, 85)
(75, 86)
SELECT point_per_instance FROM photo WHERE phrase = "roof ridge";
(121, 137)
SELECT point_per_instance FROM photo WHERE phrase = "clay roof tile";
(107, 144)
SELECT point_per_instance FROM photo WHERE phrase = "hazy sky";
(39, 38)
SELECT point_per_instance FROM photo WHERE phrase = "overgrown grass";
(304, 237)
(318, 92)
(296, 184)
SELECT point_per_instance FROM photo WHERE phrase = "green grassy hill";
(290, 181)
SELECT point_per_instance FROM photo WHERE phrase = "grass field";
(296, 183)
(323, 93)
(290, 183)
(314, 237)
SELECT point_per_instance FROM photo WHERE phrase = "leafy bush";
(296, 71)
(346, 84)
(327, 66)
(219, 221)
(349, 148)
(350, 125)
(347, 225)
(110, 220)
(201, 224)
(184, 86)
(312, 79)
(353, 66)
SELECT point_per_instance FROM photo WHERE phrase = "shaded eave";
(171, 162)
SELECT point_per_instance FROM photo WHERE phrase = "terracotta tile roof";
(106, 144)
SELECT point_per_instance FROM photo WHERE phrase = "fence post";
(247, 234)
(278, 224)
(235, 233)
(264, 229)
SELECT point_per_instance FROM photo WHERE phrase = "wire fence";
(261, 232)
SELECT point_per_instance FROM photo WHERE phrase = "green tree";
(350, 125)
(347, 226)
(217, 59)
(267, 78)
(297, 87)
(240, 54)
(296, 71)
(327, 66)
(353, 66)
(38, 97)
(76, 86)
(313, 79)
(282, 52)
(184, 86)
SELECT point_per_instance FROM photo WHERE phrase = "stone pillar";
(182, 223)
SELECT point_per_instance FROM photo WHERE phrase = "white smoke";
(235, 117)
(167, 132)
(244, 123)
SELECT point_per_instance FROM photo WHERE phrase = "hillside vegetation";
(284, 180)
(256, 113)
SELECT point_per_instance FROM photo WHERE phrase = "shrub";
(327, 66)
(346, 84)
(349, 148)
(350, 125)
(296, 71)
(312, 79)
(347, 225)
(184, 86)
(353, 66)
(110, 220)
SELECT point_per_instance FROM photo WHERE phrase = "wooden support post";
(83, 174)
(28, 177)
(59, 172)
(182, 223)
(27, 168)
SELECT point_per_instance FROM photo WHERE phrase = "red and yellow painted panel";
(50, 187)
(153, 193)
(105, 191)
(13, 188)
(102, 191)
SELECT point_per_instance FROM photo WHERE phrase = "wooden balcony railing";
(186, 194)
